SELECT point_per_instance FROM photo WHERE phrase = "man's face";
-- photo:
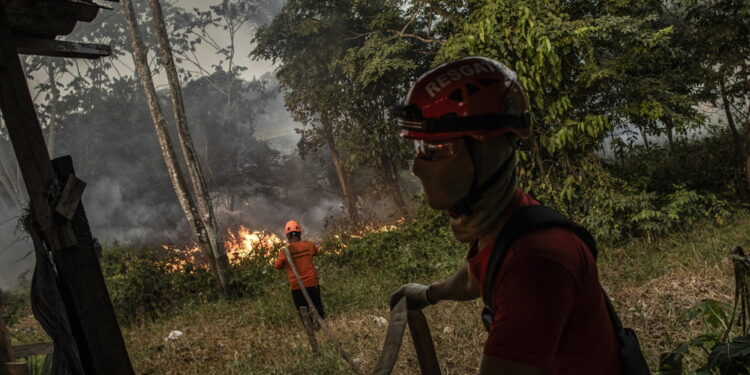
(445, 170)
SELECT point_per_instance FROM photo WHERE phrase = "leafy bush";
(614, 210)
(251, 277)
(725, 343)
(420, 245)
(707, 164)
(12, 303)
(143, 283)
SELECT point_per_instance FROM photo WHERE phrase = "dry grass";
(651, 282)
(237, 343)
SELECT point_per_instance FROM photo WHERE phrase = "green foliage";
(420, 246)
(12, 303)
(708, 164)
(145, 282)
(251, 277)
(142, 282)
(614, 210)
(342, 64)
(714, 317)
(40, 364)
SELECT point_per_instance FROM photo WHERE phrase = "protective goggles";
(410, 117)
(437, 150)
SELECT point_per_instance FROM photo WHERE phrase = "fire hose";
(400, 317)
(420, 336)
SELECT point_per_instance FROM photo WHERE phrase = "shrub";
(143, 282)
(251, 277)
(12, 303)
(419, 245)
(707, 165)
(614, 210)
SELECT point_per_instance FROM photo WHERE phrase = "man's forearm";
(461, 286)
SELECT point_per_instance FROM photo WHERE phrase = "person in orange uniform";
(302, 253)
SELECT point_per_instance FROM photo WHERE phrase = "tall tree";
(718, 34)
(188, 150)
(175, 172)
(342, 64)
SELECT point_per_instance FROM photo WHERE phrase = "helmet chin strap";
(476, 191)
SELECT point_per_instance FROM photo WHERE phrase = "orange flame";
(240, 246)
(245, 244)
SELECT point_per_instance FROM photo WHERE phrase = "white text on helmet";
(455, 74)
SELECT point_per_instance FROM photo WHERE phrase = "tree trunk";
(173, 169)
(645, 137)
(670, 136)
(51, 125)
(536, 149)
(392, 178)
(188, 149)
(351, 204)
(736, 138)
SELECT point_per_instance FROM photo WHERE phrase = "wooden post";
(7, 357)
(309, 328)
(6, 347)
(18, 368)
(82, 287)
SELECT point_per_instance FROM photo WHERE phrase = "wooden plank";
(103, 5)
(81, 282)
(59, 48)
(18, 368)
(24, 130)
(91, 314)
(71, 10)
(71, 197)
(33, 349)
(6, 349)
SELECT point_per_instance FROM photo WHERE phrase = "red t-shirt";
(550, 311)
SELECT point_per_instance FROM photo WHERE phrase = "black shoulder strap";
(525, 220)
(528, 219)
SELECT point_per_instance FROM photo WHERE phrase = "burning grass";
(241, 245)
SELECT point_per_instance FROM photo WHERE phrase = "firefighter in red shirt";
(550, 315)
(302, 253)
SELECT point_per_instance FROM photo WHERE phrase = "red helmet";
(292, 226)
(471, 97)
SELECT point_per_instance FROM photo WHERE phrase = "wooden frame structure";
(30, 27)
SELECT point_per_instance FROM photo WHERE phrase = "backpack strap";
(528, 219)
(525, 220)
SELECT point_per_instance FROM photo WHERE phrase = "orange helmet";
(292, 226)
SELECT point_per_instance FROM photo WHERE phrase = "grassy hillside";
(651, 282)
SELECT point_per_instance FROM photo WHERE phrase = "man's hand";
(416, 296)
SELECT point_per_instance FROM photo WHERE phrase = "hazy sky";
(275, 126)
